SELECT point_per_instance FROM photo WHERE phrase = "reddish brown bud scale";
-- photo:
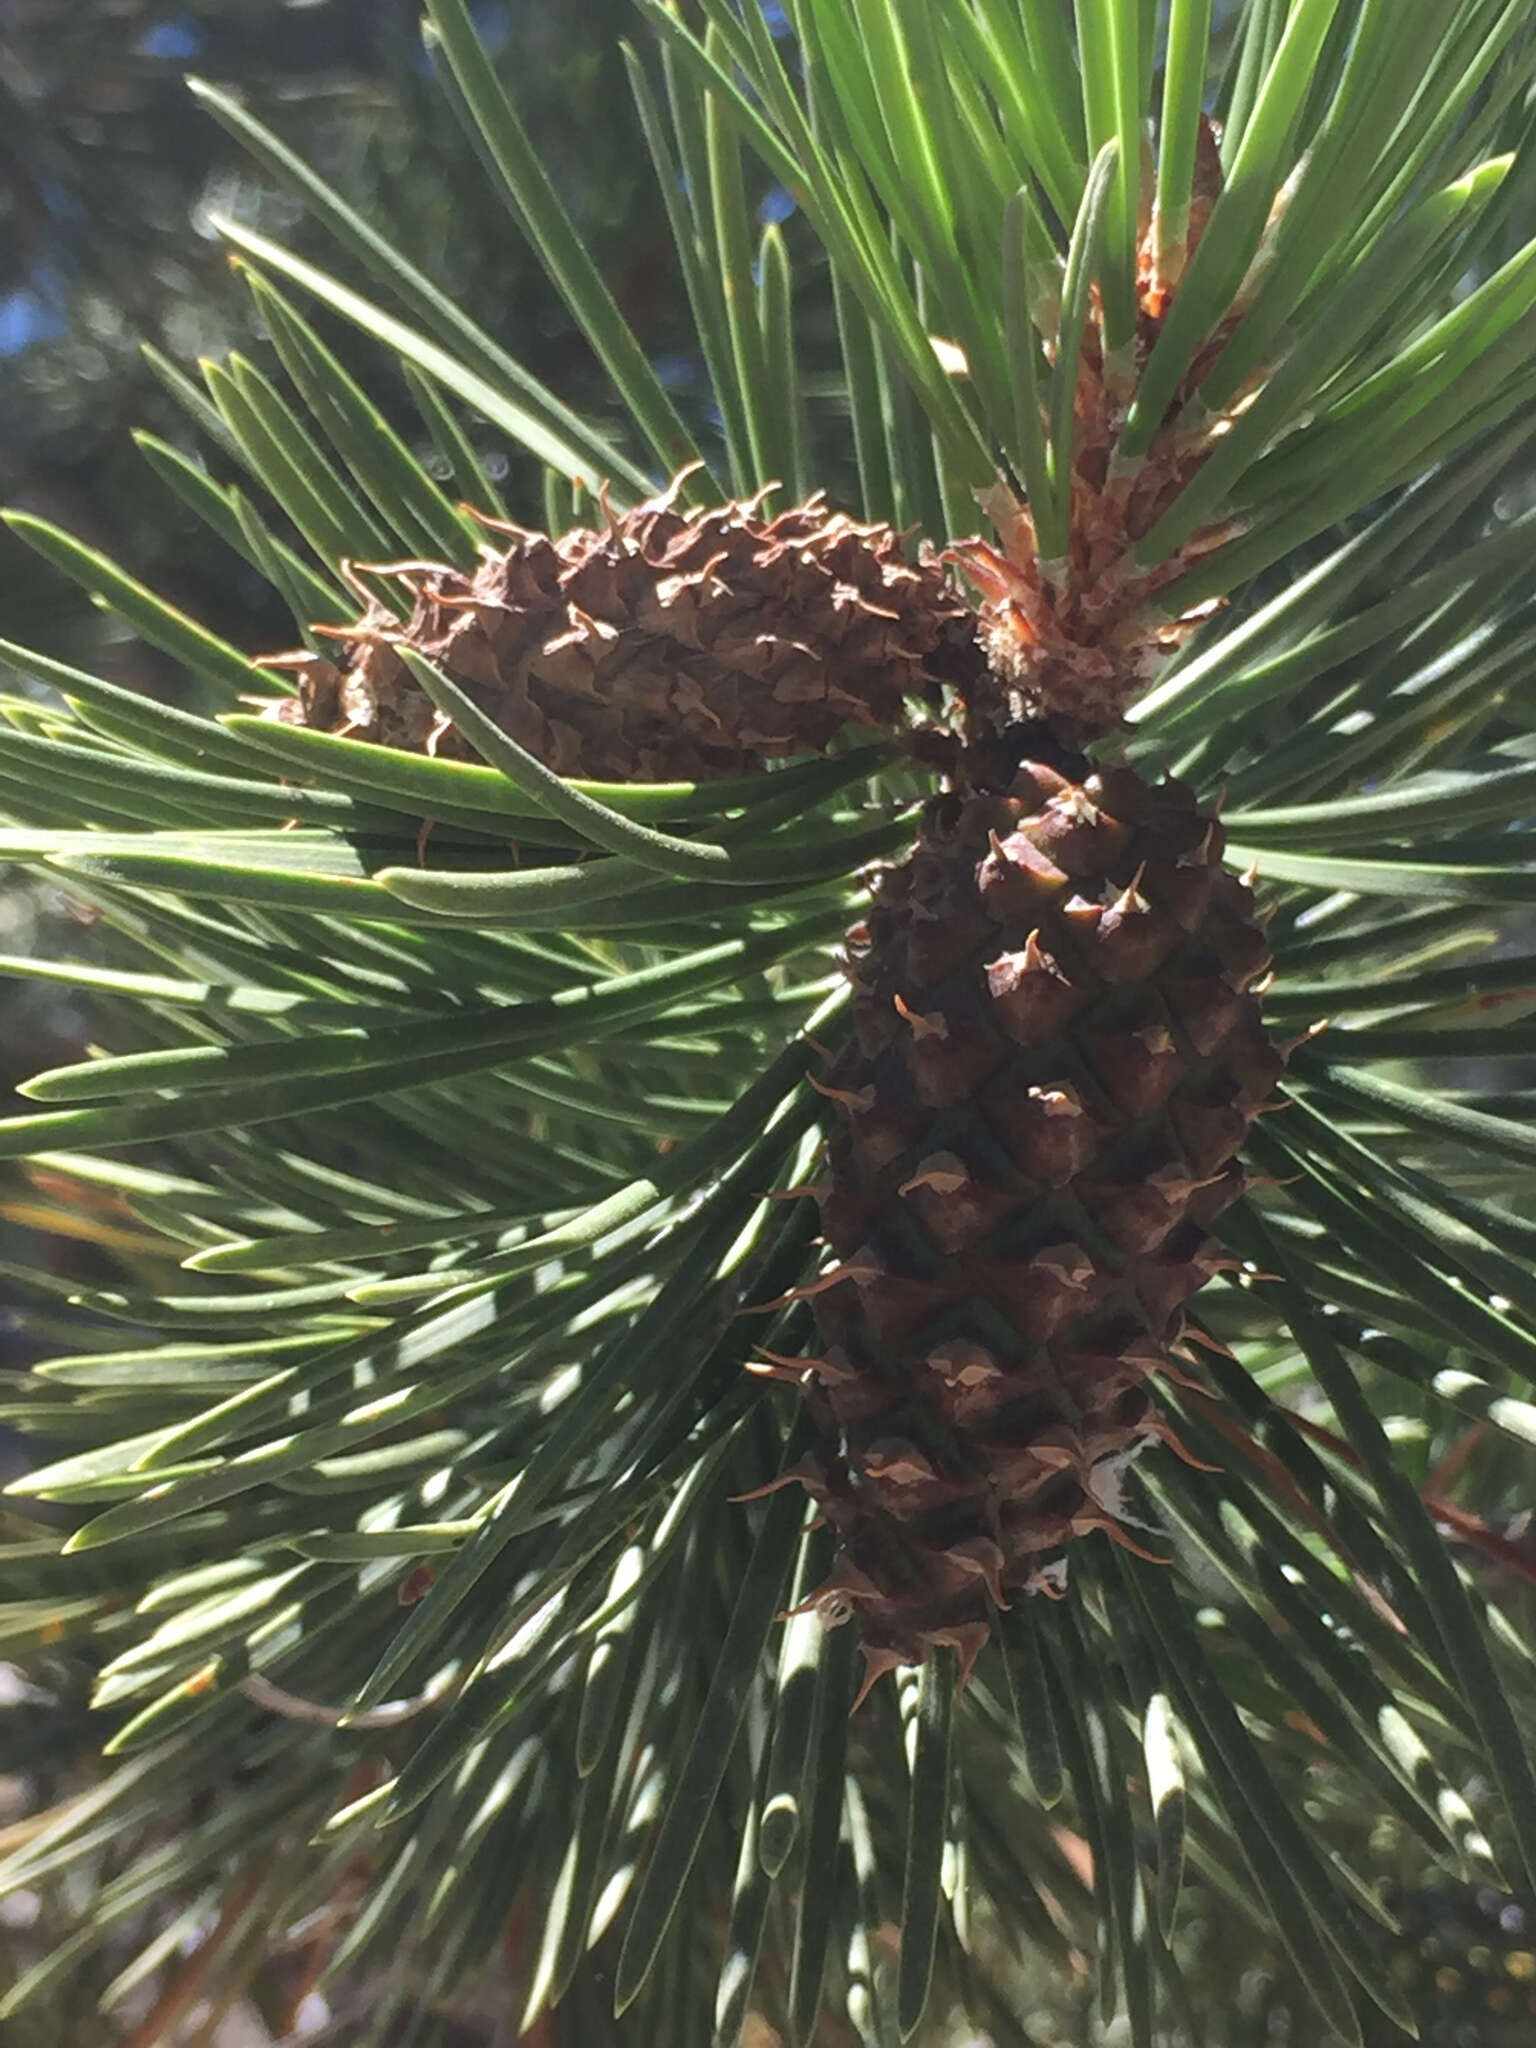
(1078, 639)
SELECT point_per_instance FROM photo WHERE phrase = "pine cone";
(671, 646)
(1055, 1061)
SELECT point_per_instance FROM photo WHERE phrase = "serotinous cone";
(664, 646)
(1056, 1057)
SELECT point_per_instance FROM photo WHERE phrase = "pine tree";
(563, 1310)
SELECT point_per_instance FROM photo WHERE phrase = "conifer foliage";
(558, 1309)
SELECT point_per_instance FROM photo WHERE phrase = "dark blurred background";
(110, 174)
(109, 177)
